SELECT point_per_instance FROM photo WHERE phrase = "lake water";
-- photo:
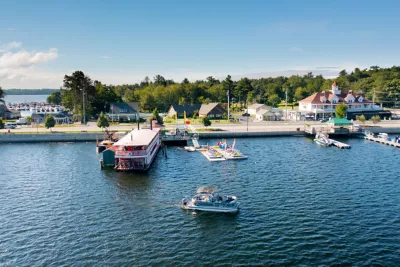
(301, 204)
(25, 98)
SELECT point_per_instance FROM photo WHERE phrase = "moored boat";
(207, 200)
(137, 150)
(190, 148)
(322, 139)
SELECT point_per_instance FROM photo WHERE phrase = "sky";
(119, 42)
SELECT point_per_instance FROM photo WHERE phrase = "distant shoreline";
(30, 91)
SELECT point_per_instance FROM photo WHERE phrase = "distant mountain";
(43, 91)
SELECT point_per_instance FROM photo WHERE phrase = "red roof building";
(323, 104)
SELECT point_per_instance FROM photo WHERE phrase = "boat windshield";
(206, 190)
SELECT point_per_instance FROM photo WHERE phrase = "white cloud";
(24, 58)
(295, 49)
(18, 67)
(9, 46)
(106, 57)
(11, 29)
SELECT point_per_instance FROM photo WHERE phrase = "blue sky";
(123, 41)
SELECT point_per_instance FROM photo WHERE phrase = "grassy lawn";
(209, 130)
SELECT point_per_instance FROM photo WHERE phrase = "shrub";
(206, 121)
(1, 123)
(49, 122)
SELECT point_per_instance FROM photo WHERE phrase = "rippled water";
(301, 204)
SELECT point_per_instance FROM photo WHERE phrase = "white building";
(323, 105)
(254, 108)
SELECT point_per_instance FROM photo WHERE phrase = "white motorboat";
(384, 136)
(322, 139)
(190, 148)
(207, 200)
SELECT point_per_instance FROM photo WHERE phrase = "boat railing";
(130, 153)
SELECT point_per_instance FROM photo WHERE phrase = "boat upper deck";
(135, 138)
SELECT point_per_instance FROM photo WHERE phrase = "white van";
(10, 125)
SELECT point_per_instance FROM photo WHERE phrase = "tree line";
(30, 91)
(383, 84)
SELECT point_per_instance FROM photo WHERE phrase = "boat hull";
(212, 209)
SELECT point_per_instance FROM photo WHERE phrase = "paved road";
(238, 127)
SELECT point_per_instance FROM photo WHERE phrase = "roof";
(131, 106)
(206, 108)
(142, 137)
(262, 111)
(187, 108)
(340, 122)
(316, 98)
(255, 106)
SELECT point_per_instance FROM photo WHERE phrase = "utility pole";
(227, 92)
(286, 105)
(373, 99)
(84, 108)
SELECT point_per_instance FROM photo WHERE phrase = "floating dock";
(339, 144)
(212, 158)
(228, 155)
(382, 141)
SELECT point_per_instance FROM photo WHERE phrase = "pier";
(382, 141)
(339, 144)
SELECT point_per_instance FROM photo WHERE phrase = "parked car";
(323, 120)
(246, 114)
(10, 125)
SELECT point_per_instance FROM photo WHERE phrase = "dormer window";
(360, 99)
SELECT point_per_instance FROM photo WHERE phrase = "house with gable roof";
(323, 105)
(212, 111)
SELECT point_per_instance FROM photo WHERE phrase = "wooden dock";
(339, 144)
(380, 140)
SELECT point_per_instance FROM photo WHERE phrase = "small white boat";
(207, 200)
(384, 136)
(322, 139)
(190, 148)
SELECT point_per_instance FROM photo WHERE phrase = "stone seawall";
(51, 137)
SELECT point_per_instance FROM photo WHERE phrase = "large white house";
(323, 105)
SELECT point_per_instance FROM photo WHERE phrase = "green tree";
(341, 111)
(1, 123)
(375, 119)
(77, 87)
(274, 100)
(102, 121)
(2, 94)
(243, 88)
(361, 118)
(54, 98)
(49, 122)
(157, 116)
(206, 121)
(160, 80)
(29, 119)
(195, 114)
(228, 84)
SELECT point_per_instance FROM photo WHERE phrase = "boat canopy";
(206, 189)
